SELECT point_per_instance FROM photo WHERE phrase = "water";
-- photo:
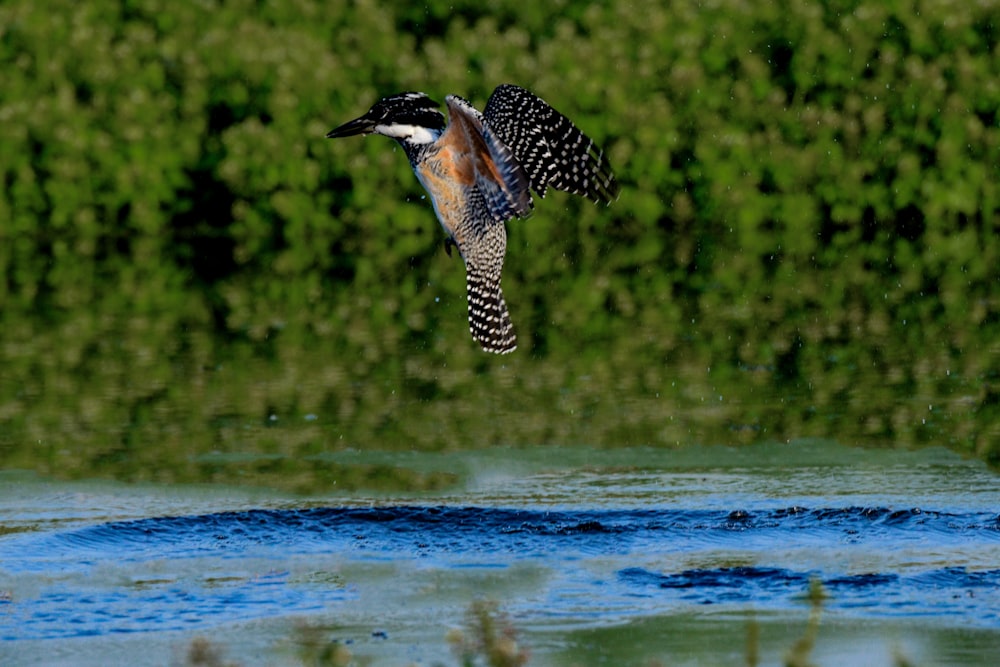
(599, 557)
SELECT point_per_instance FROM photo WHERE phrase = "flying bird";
(479, 170)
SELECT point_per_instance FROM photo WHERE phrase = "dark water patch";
(861, 581)
(728, 584)
(952, 591)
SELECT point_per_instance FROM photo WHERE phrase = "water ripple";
(129, 576)
(477, 529)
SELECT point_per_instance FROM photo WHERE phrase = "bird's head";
(407, 117)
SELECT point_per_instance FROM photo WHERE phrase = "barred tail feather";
(489, 320)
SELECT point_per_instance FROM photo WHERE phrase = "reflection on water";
(580, 549)
(148, 399)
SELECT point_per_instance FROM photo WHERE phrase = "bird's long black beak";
(361, 125)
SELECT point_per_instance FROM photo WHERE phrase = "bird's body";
(479, 171)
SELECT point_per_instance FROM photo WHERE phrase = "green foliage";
(808, 226)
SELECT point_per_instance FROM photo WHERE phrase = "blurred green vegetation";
(807, 241)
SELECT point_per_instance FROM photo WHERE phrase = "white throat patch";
(414, 134)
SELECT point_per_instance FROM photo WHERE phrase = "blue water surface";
(563, 551)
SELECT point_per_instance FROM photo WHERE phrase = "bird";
(480, 170)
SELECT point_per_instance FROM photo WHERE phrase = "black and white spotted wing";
(551, 149)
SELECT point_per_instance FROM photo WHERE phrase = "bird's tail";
(489, 320)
